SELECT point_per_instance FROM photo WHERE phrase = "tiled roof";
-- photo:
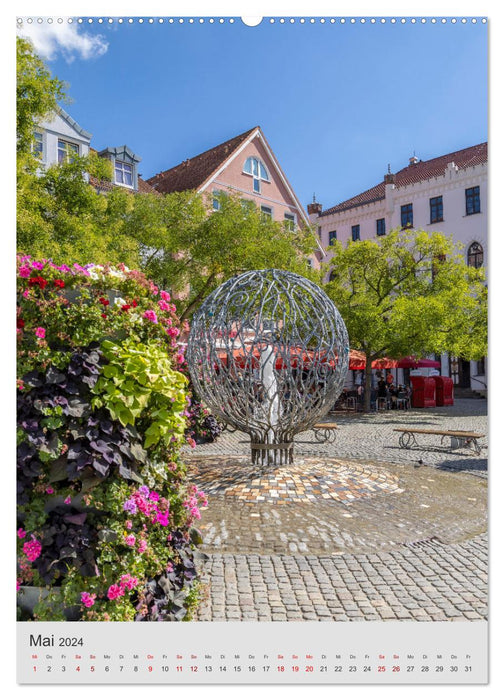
(193, 172)
(423, 170)
(107, 186)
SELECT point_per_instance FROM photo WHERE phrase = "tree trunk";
(367, 386)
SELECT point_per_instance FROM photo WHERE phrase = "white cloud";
(50, 40)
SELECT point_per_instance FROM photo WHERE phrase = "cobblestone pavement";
(424, 582)
(357, 530)
(372, 436)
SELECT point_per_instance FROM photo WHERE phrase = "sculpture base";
(264, 454)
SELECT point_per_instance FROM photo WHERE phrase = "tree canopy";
(37, 93)
(194, 250)
(408, 293)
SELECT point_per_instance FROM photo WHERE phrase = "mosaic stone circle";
(307, 481)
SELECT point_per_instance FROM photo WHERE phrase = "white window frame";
(257, 178)
(267, 211)
(37, 153)
(122, 163)
(72, 148)
(290, 220)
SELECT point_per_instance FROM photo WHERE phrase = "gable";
(63, 125)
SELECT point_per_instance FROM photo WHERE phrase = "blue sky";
(337, 103)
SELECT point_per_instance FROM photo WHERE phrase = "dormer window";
(67, 151)
(125, 165)
(256, 168)
(123, 173)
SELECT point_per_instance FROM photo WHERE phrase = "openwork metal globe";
(268, 354)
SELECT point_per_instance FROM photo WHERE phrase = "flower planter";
(29, 596)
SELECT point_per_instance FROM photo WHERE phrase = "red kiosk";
(444, 391)
(423, 392)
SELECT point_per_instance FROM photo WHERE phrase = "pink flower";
(162, 519)
(40, 332)
(164, 306)
(142, 546)
(173, 332)
(128, 524)
(68, 500)
(21, 533)
(88, 599)
(18, 584)
(191, 443)
(32, 549)
(150, 315)
(154, 496)
(115, 592)
(24, 271)
(49, 490)
(130, 540)
(38, 265)
(165, 296)
(128, 581)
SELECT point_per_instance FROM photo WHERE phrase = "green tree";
(408, 293)
(192, 249)
(37, 94)
(62, 217)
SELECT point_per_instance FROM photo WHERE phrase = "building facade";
(60, 139)
(244, 165)
(446, 194)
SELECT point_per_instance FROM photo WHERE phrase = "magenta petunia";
(88, 599)
(40, 332)
(150, 315)
(114, 592)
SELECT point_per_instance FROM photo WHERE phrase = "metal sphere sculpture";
(268, 353)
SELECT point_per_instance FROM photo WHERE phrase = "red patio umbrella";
(412, 362)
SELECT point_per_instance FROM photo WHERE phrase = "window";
(215, 201)
(407, 215)
(480, 367)
(436, 209)
(38, 145)
(123, 173)
(247, 204)
(255, 167)
(290, 221)
(380, 227)
(356, 232)
(267, 212)
(67, 151)
(319, 232)
(472, 200)
(475, 255)
(333, 236)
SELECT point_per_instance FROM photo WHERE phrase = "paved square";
(357, 530)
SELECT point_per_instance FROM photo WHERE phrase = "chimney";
(389, 177)
(389, 180)
(414, 160)
(314, 207)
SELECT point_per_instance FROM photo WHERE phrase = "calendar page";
(252, 359)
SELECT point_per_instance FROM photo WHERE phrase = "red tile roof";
(423, 170)
(193, 172)
(107, 186)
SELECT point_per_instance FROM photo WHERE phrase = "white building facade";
(446, 194)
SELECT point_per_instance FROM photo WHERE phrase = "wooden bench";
(458, 438)
(325, 432)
